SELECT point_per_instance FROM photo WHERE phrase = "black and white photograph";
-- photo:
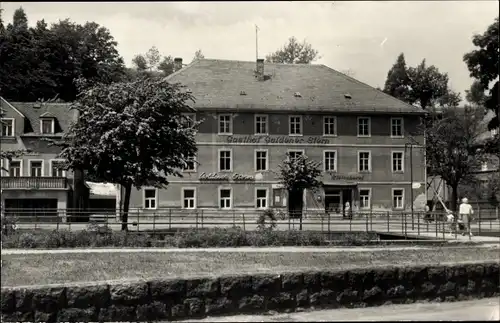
(249, 161)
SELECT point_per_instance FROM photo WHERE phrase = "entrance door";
(333, 201)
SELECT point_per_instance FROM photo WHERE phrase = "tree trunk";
(126, 202)
(454, 197)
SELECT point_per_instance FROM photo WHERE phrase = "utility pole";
(256, 42)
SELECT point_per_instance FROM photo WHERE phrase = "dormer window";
(47, 125)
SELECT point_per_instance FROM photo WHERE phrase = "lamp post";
(410, 147)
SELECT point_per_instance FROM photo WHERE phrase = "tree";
(166, 65)
(140, 63)
(452, 147)
(42, 62)
(423, 85)
(153, 58)
(294, 52)
(296, 175)
(131, 133)
(198, 55)
(397, 83)
(475, 95)
(483, 66)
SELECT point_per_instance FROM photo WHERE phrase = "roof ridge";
(254, 62)
(347, 77)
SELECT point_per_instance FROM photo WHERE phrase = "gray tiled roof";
(60, 111)
(217, 84)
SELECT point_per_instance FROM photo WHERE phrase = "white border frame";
(21, 166)
(50, 166)
(195, 197)
(230, 133)
(336, 160)
(30, 161)
(290, 125)
(334, 126)
(255, 159)
(231, 159)
(144, 198)
(13, 127)
(195, 163)
(231, 200)
(255, 124)
(403, 158)
(369, 161)
(369, 189)
(402, 127)
(392, 198)
(53, 125)
(369, 127)
(295, 150)
(267, 198)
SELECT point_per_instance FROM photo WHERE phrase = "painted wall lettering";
(223, 177)
(346, 177)
(276, 140)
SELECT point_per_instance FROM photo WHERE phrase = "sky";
(362, 38)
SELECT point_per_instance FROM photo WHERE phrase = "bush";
(204, 238)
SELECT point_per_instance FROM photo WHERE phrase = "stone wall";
(189, 298)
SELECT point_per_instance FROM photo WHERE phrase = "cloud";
(348, 35)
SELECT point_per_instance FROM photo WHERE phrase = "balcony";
(33, 183)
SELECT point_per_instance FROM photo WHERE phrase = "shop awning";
(102, 190)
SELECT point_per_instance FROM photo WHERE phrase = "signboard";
(416, 186)
(281, 140)
(225, 177)
(354, 177)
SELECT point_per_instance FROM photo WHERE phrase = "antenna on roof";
(256, 42)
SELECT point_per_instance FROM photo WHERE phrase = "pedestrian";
(466, 213)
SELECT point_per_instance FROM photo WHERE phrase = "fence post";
(371, 220)
(169, 219)
(418, 225)
(329, 232)
(244, 225)
(36, 219)
(202, 219)
(436, 223)
(388, 229)
(350, 224)
(234, 219)
(479, 221)
(154, 224)
(366, 216)
(138, 221)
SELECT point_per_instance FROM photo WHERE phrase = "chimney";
(177, 64)
(260, 67)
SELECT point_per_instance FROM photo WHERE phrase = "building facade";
(252, 114)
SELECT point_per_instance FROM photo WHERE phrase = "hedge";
(217, 237)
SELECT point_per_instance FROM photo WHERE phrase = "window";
(190, 164)
(292, 154)
(225, 160)
(494, 132)
(396, 127)
(56, 169)
(225, 124)
(188, 198)
(364, 199)
(225, 198)
(295, 125)
(36, 168)
(15, 168)
(329, 126)
(397, 162)
(47, 126)
(7, 127)
(484, 166)
(260, 125)
(261, 160)
(363, 127)
(330, 161)
(189, 119)
(261, 198)
(397, 198)
(364, 161)
(150, 198)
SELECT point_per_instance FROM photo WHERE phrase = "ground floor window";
(225, 198)
(150, 198)
(364, 199)
(189, 198)
(261, 198)
(398, 198)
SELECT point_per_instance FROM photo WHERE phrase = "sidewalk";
(219, 250)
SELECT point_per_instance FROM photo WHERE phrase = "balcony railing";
(33, 183)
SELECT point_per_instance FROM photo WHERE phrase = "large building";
(33, 184)
(254, 113)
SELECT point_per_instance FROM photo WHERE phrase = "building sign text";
(277, 140)
(224, 177)
(346, 177)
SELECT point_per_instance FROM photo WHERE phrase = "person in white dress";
(466, 212)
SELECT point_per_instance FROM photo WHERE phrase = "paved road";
(480, 310)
